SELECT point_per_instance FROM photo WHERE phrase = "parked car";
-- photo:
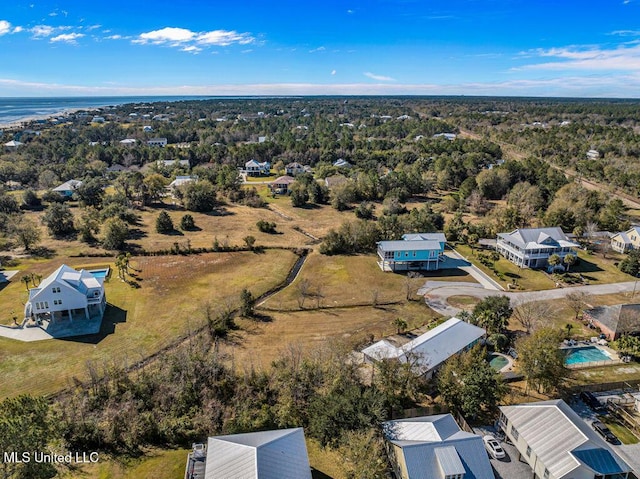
(605, 432)
(592, 401)
(493, 447)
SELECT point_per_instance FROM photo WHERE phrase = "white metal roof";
(440, 237)
(414, 245)
(280, 454)
(70, 185)
(538, 238)
(434, 347)
(559, 438)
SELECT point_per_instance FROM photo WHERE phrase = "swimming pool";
(497, 361)
(100, 273)
(587, 354)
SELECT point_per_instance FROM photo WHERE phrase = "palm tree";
(26, 279)
(554, 260)
(400, 324)
(569, 260)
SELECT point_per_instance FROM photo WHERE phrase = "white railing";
(593, 364)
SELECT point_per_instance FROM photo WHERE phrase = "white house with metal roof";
(434, 447)
(280, 454)
(558, 444)
(416, 251)
(531, 247)
(257, 168)
(626, 241)
(66, 294)
(431, 349)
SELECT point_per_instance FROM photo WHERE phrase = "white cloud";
(602, 86)
(626, 33)
(41, 31)
(93, 27)
(191, 49)
(333, 72)
(5, 27)
(185, 39)
(319, 49)
(224, 38)
(113, 37)
(621, 58)
(67, 38)
(17, 29)
(373, 76)
(165, 35)
(349, 12)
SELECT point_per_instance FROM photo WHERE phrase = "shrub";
(266, 227)
(164, 223)
(187, 223)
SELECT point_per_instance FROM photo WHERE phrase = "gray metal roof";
(280, 454)
(414, 245)
(556, 433)
(538, 237)
(439, 237)
(434, 446)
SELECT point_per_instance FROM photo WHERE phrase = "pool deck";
(66, 329)
(614, 358)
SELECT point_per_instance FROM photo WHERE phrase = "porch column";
(70, 315)
(86, 312)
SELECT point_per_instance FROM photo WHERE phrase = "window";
(56, 290)
(528, 451)
(46, 304)
(546, 474)
(414, 254)
(57, 302)
(406, 253)
(514, 432)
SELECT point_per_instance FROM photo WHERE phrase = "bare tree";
(304, 287)
(532, 314)
(375, 294)
(576, 300)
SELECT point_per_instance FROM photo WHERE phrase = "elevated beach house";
(416, 251)
(626, 241)
(281, 185)
(67, 294)
(257, 168)
(531, 247)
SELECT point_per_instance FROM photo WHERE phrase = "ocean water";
(20, 109)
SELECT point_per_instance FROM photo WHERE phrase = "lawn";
(156, 464)
(605, 374)
(260, 342)
(343, 281)
(594, 269)
(166, 306)
(621, 432)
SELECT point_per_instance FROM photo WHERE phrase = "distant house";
(280, 454)
(262, 139)
(531, 247)
(559, 444)
(116, 168)
(446, 136)
(256, 168)
(66, 294)
(172, 163)
(161, 142)
(181, 180)
(615, 320)
(430, 350)
(434, 447)
(626, 241)
(128, 142)
(67, 188)
(147, 128)
(293, 169)
(98, 119)
(341, 163)
(335, 180)
(13, 145)
(420, 251)
(281, 185)
(593, 154)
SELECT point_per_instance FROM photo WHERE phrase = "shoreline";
(23, 122)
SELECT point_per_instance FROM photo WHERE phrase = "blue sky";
(200, 47)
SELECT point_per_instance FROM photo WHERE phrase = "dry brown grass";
(259, 343)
